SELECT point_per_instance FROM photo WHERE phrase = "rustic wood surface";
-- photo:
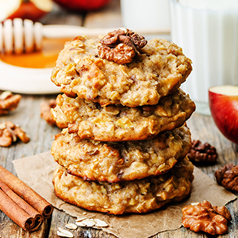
(27, 115)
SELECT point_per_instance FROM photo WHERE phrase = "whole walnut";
(204, 217)
(227, 176)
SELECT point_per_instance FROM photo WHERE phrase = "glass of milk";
(207, 31)
(148, 16)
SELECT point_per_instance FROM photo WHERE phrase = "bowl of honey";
(29, 73)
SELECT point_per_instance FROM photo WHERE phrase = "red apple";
(82, 5)
(223, 103)
(25, 9)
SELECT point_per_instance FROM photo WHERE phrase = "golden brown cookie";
(158, 70)
(119, 123)
(120, 161)
(137, 196)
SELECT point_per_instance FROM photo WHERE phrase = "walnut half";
(9, 133)
(205, 217)
(45, 111)
(8, 102)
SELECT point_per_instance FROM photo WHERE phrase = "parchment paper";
(37, 172)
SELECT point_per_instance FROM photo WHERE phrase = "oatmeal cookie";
(137, 196)
(159, 69)
(121, 161)
(120, 123)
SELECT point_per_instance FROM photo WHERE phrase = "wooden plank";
(107, 17)
(10, 229)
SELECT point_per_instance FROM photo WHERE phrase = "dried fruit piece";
(9, 133)
(202, 153)
(121, 46)
(204, 217)
(8, 102)
(45, 111)
(227, 176)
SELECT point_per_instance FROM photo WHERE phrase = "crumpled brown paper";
(37, 172)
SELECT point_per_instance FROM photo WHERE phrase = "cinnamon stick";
(26, 193)
(13, 211)
(37, 218)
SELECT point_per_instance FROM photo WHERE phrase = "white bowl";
(26, 80)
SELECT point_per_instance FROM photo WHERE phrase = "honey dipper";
(20, 36)
(23, 36)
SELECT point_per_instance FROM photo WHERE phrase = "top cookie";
(156, 70)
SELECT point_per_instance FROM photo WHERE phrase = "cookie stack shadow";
(124, 140)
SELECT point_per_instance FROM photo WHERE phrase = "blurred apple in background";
(82, 5)
(25, 9)
(223, 103)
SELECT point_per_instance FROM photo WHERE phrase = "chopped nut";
(9, 133)
(121, 54)
(204, 217)
(202, 153)
(64, 233)
(121, 46)
(45, 111)
(8, 102)
(227, 176)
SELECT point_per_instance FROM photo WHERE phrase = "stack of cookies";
(124, 141)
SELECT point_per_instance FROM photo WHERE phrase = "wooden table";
(28, 116)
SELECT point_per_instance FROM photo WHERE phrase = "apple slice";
(223, 103)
